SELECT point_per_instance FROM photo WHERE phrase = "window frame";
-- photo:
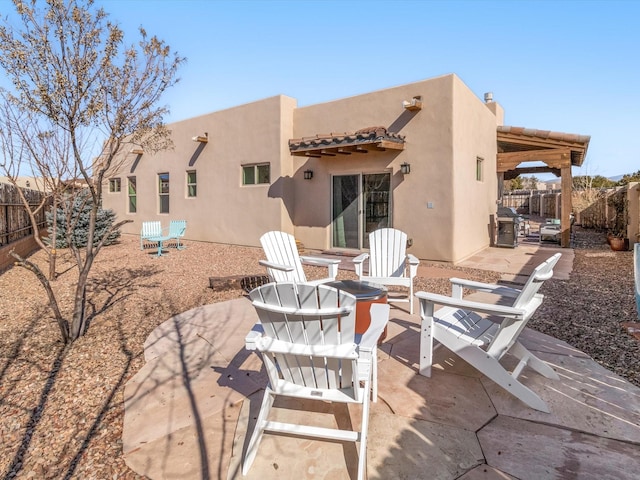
(115, 185)
(162, 194)
(256, 173)
(479, 169)
(193, 184)
(132, 181)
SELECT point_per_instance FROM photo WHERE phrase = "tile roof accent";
(545, 134)
(365, 136)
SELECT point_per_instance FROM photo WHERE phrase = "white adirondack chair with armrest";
(482, 333)
(389, 264)
(285, 264)
(310, 350)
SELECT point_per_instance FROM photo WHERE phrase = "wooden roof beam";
(328, 153)
(384, 144)
(511, 174)
(554, 158)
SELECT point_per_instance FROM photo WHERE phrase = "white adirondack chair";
(482, 333)
(311, 351)
(388, 262)
(284, 264)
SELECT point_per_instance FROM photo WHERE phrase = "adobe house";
(420, 157)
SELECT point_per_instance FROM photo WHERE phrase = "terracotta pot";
(618, 244)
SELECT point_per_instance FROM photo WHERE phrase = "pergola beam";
(511, 174)
(554, 158)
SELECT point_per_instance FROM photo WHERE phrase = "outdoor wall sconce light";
(405, 168)
(414, 105)
(201, 138)
(308, 174)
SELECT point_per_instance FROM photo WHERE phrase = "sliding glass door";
(360, 204)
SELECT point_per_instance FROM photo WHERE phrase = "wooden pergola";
(557, 151)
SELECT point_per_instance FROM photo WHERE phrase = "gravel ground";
(61, 410)
(587, 310)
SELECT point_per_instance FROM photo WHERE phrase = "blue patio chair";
(176, 231)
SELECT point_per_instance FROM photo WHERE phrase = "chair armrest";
(413, 265)
(504, 311)
(252, 337)
(379, 319)
(276, 266)
(361, 258)
(358, 261)
(485, 287)
(319, 261)
(330, 263)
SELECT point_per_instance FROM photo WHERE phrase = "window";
(255, 174)
(163, 192)
(133, 198)
(114, 185)
(479, 175)
(191, 183)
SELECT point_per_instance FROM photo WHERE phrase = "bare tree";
(80, 96)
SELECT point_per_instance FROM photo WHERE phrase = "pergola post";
(566, 185)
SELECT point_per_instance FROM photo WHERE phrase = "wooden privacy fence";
(533, 202)
(15, 223)
(604, 208)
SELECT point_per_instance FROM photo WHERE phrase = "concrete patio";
(188, 409)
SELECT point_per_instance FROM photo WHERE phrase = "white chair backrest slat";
(309, 299)
(280, 247)
(151, 229)
(388, 248)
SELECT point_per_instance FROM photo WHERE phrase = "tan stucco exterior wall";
(440, 204)
(224, 210)
(442, 142)
(473, 201)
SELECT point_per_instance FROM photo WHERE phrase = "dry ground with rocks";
(61, 410)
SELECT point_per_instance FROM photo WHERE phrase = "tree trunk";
(79, 304)
(53, 252)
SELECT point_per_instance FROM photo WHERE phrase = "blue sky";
(568, 66)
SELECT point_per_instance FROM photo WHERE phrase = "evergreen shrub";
(79, 221)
